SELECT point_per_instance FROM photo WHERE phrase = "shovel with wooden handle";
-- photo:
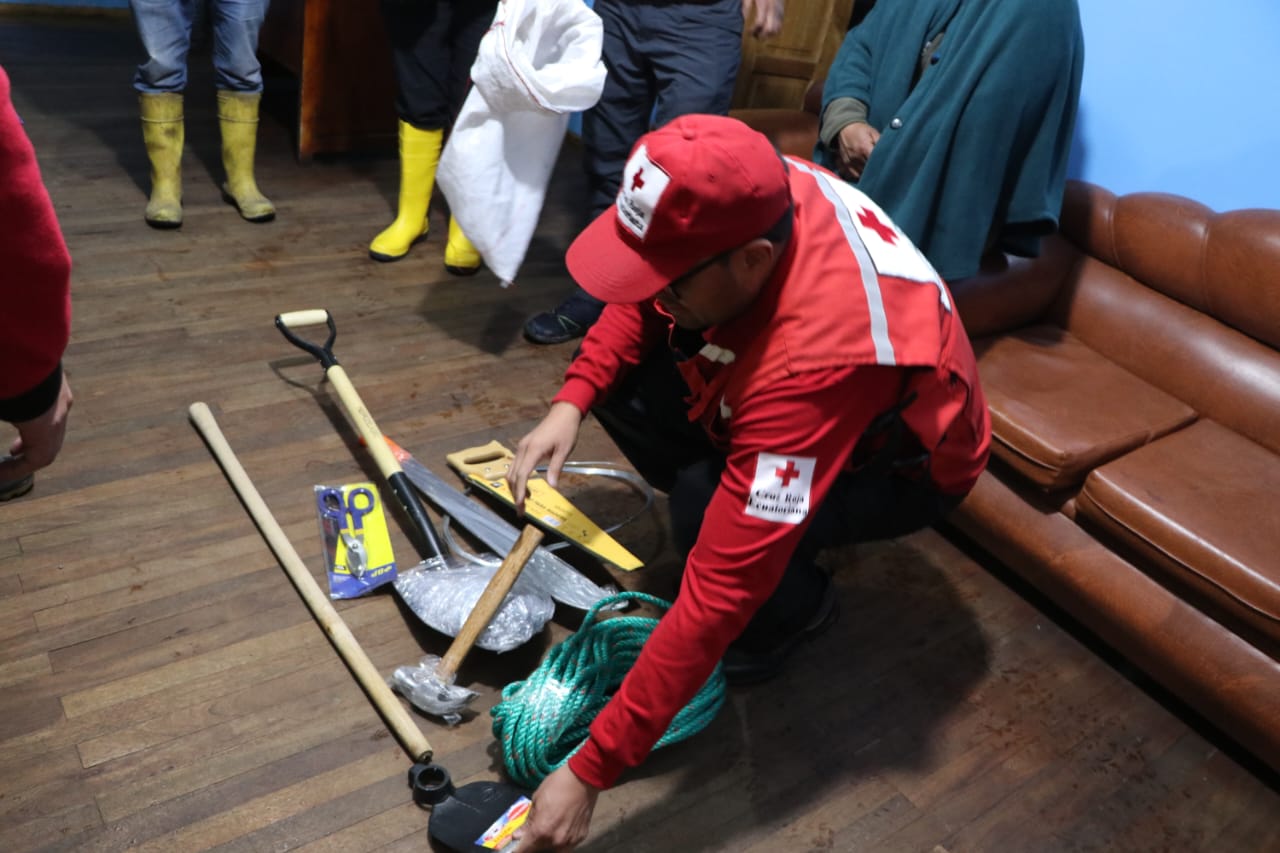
(365, 425)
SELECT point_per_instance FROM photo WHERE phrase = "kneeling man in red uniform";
(786, 365)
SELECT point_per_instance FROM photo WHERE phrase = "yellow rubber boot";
(162, 133)
(460, 257)
(238, 119)
(419, 156)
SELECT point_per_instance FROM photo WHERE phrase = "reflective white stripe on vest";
(716, 354)
(870, 280)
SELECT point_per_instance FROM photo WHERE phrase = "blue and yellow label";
(356, 542)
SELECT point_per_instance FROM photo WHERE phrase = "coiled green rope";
(542, 720)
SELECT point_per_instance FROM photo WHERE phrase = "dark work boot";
(568, 320)
(10, 489)
(760, 660)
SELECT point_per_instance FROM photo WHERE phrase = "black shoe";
(568, 320)
(743, 667)
(10, 489)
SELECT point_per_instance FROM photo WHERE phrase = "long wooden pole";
(402, 725)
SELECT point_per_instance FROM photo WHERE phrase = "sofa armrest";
(1009, 293)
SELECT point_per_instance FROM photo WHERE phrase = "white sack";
(538, 63)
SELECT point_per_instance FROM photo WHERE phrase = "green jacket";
(980, 142)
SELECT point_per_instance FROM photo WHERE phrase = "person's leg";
(235, 25)
(468, 22)
(802, 605)
(695, 54)
(890, 495)
(647, 418)
(164, 27)
(609, 130)
(238, 77)
(621, 116)
(420, 57)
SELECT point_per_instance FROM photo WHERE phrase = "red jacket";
(852, 320)
(35, 277)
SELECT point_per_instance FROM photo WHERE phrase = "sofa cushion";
(1232, 682)
(1059, 410)
(1200, 507)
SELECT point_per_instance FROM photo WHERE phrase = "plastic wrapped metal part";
(426, 691)
(443, 596)
(547, 571)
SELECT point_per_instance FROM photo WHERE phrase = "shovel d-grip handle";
(365, 425)
(287, 322)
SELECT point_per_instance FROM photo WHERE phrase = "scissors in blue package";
(355, 504)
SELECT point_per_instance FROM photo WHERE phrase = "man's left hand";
(560, 816)
(39, 439)
(767, 15)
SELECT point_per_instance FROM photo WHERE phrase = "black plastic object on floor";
(462, 819)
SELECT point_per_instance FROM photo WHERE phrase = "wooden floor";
(163, 687)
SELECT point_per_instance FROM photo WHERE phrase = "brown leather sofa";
(1134, 382)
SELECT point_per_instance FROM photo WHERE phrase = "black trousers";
(433, 46)
(647, 418)
(665, 58)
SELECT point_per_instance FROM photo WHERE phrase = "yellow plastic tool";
(486, 467)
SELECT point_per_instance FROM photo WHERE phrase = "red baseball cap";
(693, 188)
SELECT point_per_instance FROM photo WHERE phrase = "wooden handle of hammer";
(490, 600)
(402, 725)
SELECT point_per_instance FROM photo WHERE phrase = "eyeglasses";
(674, 287)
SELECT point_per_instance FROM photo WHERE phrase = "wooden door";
(346, 86)
(775, 73)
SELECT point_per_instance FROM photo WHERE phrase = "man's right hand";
(854, 145)
(765, 17)
(551, 439)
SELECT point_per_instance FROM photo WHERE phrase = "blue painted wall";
(1182, 97)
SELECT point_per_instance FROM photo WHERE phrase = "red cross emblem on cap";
(868, 217)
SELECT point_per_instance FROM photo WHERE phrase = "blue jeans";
(165, 29)
(666, 58)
